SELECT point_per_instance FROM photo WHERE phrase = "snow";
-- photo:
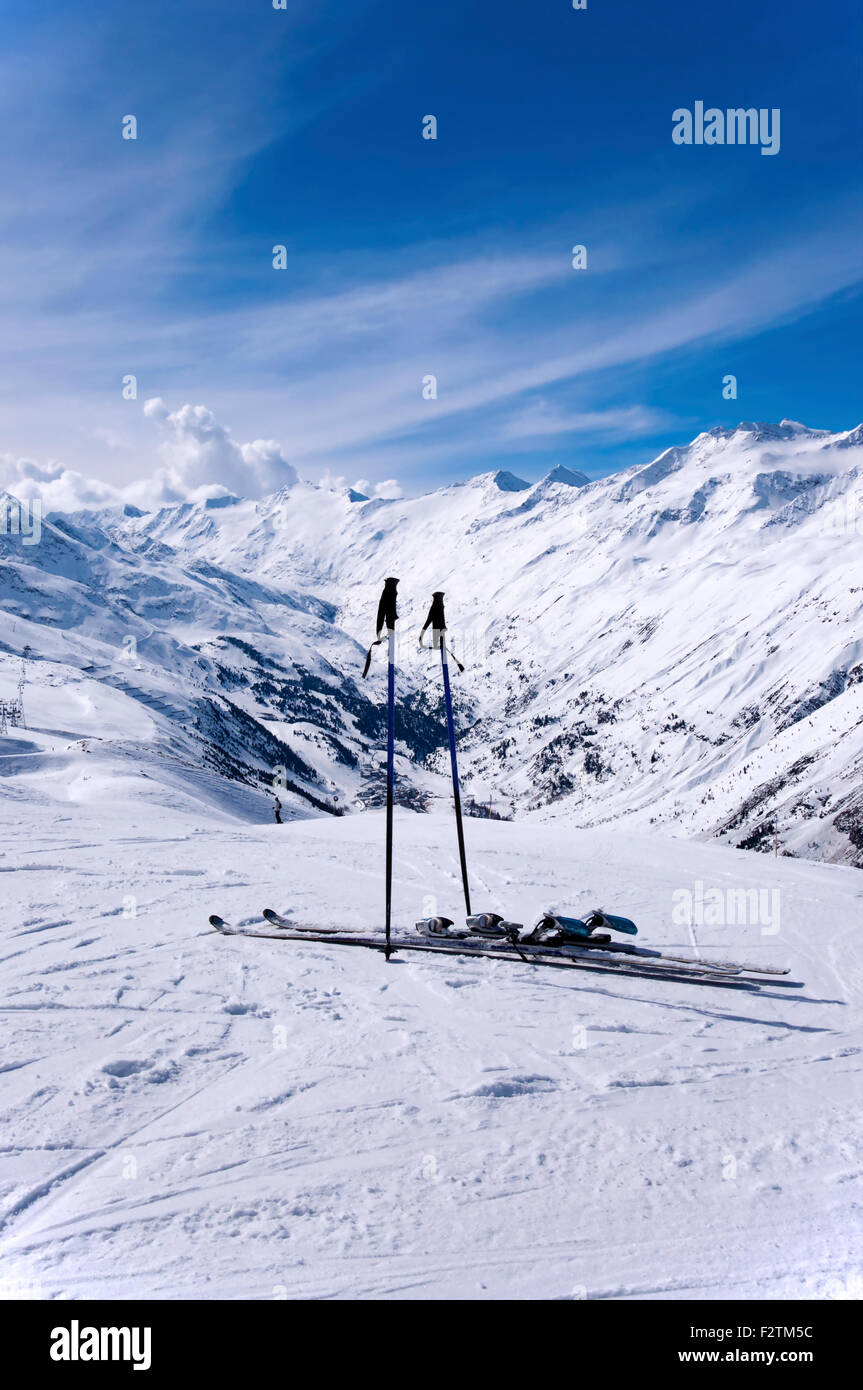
(187, 1115)
(664, 676)
(677, 645)
(562, 474)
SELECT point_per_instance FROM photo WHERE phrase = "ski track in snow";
(185, 1115)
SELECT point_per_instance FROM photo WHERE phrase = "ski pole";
(387, 617)
(391, 705)
(437, 622)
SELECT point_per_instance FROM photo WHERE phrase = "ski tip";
(278, 919)
(218, 922)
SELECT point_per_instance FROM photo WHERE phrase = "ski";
(598, 945)
(644, 952)
(745, 967)
(281, 926)
(591, 941)
(276, 919)
(488, 950)
(622, 948)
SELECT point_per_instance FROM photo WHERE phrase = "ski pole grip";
(387, 617)
(387, 614)
(435, 620)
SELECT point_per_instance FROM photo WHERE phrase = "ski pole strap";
(436, 620)
(387, 617)
(454, 657)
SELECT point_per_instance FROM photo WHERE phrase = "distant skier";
(278, 810)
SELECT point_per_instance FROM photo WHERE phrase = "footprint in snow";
(124, 1066)
(513, 1086)
(155, 1074)
(237, 1006)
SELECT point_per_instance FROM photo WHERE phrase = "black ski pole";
(387, 617)
(437, 622)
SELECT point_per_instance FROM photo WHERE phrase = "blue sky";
(409, 257)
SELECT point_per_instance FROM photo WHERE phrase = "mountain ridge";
(676, 644)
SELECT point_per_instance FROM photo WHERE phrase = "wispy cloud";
(542, 418)
(109, 266)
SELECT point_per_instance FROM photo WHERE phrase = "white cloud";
(390, 488)
(200, 459)
(60, 489)
(200, 454)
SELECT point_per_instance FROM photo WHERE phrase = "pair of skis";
(597, 954)
(386, 622)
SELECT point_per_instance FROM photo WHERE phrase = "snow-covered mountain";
(153, 675)
(677, 644)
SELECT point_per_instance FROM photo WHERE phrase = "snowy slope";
(679, 644)
(179, 681)
(191, 1116)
